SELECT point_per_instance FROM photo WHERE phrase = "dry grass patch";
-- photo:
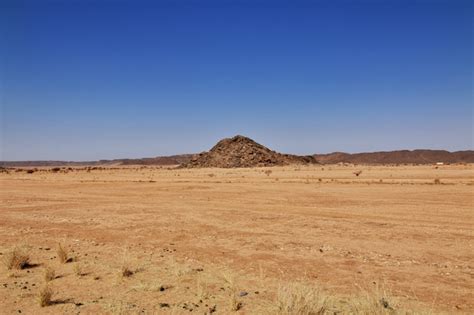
(373, 302)
(301, 299)
(45, 296)
(62, 253)
(202, 292)
(78, 270)
(17, 258)
(229, 279)
(49, 274)
(234, 304)
(126, 271)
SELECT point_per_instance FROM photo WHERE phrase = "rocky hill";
(241, 151)
(398, 157)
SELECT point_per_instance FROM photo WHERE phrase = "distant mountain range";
(241, 151)
(398, 157)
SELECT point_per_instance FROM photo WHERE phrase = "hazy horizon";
(84, 81)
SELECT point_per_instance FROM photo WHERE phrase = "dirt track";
(390, 226)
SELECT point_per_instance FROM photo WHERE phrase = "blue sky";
(85, 80)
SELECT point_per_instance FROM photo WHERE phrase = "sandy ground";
(195, 239)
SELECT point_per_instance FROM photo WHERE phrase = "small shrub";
(16, 259)
(268, 172)
(78, 270)
(126, 272)
(301, 299)
(201, 289)
(55, 169)
(234, 304)
(62, 254)
(375, 301)
(49, 274)
(45, 296)
(437, 181)
(30, 171)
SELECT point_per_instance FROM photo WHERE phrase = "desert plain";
(164, 240)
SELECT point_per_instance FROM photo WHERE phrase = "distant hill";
(398, 157)
(241, 151)
(159, 160)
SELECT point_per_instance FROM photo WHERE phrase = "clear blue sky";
(85, 80)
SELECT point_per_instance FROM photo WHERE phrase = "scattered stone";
(243, 293)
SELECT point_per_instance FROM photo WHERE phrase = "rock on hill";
(241, 151)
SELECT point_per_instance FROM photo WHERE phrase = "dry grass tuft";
(16, 259)
(297, 298)
(229, 279)
(126, 271)
(49, 274)
(45, 296)
(234, 304)
(357, 173)
(62, 254)
(373, 302)
(77, 268)
(201, 289)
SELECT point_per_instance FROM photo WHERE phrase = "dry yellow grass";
(62, 254)
(126, 271)
(44, 297)
(49, 274)
(300, 299)
(17, 258)
(77, 268)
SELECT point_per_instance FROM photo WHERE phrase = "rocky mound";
(241, 151)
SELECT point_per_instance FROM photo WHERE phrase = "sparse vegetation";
(77, 268)
(173, 243)
(49, 274)
(125, 271)
(234, 304)
(17, 258)
(45, 296)
(201, 289)
(301, 299)
(268, 172)
(62, 254)
(357, 173)
(373, 302)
